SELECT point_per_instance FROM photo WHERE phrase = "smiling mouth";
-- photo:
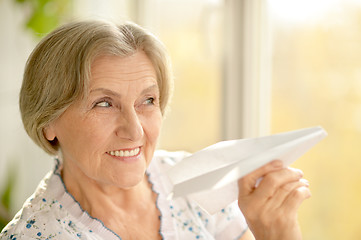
(125, 153)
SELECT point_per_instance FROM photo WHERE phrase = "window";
(224, 87)
(192, 32)
(316, 80)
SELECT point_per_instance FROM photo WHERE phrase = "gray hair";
(58, 70)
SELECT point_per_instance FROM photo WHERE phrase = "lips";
(125, 153)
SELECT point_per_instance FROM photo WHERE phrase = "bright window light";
(301, 11)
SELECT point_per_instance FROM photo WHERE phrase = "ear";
(49, 132)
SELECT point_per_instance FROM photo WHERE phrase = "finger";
(247, 183)
(281, 194)
(295, 198)
(274, 180)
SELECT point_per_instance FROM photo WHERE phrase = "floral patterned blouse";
(53, 213)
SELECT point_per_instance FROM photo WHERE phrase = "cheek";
(152, 125)
(87, 133)
(98, 128)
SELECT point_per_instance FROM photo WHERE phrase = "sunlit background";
(243, 68)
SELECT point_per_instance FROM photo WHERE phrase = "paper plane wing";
(210, 174)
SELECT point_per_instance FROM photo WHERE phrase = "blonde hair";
(58, 70)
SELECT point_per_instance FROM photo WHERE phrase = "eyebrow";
(115, 94)
(150, 88)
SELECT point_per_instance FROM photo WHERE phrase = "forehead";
(116, 69)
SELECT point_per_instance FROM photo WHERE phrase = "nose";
(130, 126)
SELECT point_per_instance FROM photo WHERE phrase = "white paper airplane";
(210, 175)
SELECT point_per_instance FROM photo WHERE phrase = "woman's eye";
(149, 101)
(103, 104)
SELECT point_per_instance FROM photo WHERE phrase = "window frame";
(247, 69)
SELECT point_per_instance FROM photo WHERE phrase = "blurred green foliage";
(44, 15)
(6, 196)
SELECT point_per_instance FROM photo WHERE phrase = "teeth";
(125, 153)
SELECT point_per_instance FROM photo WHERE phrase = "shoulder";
(191, 220)
(36, 220)
(42, 215)
(170, 158)
(229, 223)
(163, 160)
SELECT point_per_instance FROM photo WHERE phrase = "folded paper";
(210, 175)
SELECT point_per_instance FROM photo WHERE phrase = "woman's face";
(110, 136)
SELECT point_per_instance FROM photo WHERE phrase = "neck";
(100, 199)
(131, 213)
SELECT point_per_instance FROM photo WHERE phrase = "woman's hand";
(271, 208)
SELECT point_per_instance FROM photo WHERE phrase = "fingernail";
(305, 181)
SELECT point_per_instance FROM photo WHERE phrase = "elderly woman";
(95, 94)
